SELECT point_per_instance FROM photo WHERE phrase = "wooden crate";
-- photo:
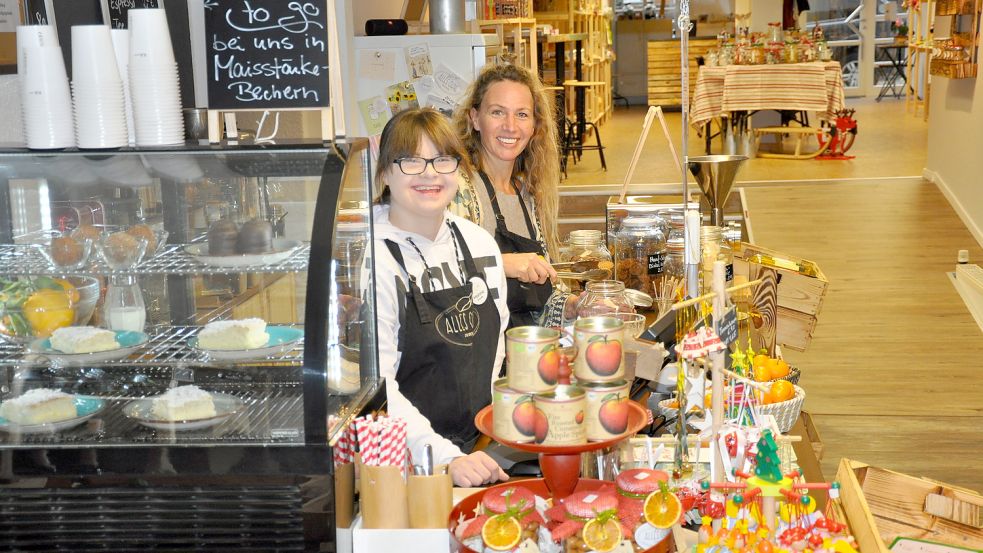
(812, 435)
(881, 505)
(664, 85)
(801, 288)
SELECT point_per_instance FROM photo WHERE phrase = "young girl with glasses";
(441, 297)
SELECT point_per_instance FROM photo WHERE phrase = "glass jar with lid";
(675, 222)
(604, 297)
(585, 250)
(714, 248)
(639, 253)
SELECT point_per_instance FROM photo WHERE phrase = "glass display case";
(155, 247)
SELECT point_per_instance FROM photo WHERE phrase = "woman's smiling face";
(425, 195)
(505, 119)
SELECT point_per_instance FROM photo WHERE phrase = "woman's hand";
(476, 469)
(528, 267)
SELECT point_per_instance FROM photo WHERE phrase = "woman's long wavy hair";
(401, 138)
(538, 166)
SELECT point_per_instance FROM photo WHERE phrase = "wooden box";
(881, 505)
(812, 435)
(801, 289)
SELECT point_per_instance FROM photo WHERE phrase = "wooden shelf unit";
(592, 19)
(664, 76)
(964, 28)
(514, 33)
(921, 24)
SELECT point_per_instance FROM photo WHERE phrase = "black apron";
(448, 344)
(525, 299)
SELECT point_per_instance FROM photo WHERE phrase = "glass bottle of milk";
(124, 308)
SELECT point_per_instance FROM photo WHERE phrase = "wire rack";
(168, 346)
(273, 413)
(27, 260)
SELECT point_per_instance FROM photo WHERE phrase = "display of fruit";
(549, 365)
(604, 356)
(765, 368)
(781, 390)
(34, 308)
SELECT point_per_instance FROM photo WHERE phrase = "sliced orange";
(662, 509)
(602, 536)
(501, 533)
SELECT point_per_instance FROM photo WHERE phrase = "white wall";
(955, 144)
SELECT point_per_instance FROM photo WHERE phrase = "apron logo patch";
(459, 323)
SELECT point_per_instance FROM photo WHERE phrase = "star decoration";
(738, 360)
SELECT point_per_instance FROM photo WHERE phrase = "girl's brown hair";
(538, 166)
(401, 138)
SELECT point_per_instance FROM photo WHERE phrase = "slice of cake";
(234, 334)
(39, 406)
(184, 403)
(83, 339)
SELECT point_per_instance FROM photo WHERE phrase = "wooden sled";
(800, 133)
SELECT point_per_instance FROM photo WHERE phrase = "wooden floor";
(893, 376)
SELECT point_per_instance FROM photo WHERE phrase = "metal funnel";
(715, 175)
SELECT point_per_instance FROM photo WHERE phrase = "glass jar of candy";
(713, 248)
(585, 250)
(639, 252)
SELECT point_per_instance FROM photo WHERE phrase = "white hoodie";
(440, 254)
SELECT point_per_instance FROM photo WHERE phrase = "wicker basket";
(792, 376)
(785, 412)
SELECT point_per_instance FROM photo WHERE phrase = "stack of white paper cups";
(45, 98)
(121, 47)
(100, 110)
(154, 89)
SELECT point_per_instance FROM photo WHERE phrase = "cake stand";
(561, 463)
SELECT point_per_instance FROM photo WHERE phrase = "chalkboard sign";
(727, 330)
(36, 12)
(118, 10)
(266, 54)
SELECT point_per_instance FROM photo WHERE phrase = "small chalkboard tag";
(36, 12)
(728, 326)
(266, 54)
(119, 10)
(656, 262)
(729, 272)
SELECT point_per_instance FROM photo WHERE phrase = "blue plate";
(129, 342)
(85, 408)
(281, 339)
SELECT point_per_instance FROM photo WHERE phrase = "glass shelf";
(25, 259)
(167, 347)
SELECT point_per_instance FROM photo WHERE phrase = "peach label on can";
(513, 414)
(532, 358)
(607, 409)
(564, 416)
(599, 343)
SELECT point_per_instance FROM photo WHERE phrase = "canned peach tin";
(564, 416)
(532, 358)
(513, 414)
(607, 409)
(600, 357)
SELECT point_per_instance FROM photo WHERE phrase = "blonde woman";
(507, 125)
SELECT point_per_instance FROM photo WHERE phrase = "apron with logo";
(448, 340)
(525, 299)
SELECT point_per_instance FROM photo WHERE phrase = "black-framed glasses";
(417, 165)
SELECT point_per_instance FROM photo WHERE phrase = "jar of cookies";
(713, 248)
(585, 251)
(639, 252)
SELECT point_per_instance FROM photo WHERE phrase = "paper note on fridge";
(377, 65)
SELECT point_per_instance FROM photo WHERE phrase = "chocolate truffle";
(66, 250)
(146, 233)
(121, 248)
(255, 236)
(222, 238)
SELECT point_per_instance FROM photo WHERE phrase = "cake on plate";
(83, 339)
(39, 406)
(233, 335)
(183, 403)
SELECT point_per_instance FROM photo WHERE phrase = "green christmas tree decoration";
(768, 465)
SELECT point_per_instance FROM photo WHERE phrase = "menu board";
(266, 54)
(117, 10)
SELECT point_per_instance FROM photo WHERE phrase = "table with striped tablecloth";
(814, 86)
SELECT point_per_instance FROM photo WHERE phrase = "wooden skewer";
(638, 150)
(711, 295)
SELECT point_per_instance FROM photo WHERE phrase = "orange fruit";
(501, 532)
(47, 310)
(760, 360)
(761, 373)
(662, 509)
(781, 390)
(602, 536)
(781, 369)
